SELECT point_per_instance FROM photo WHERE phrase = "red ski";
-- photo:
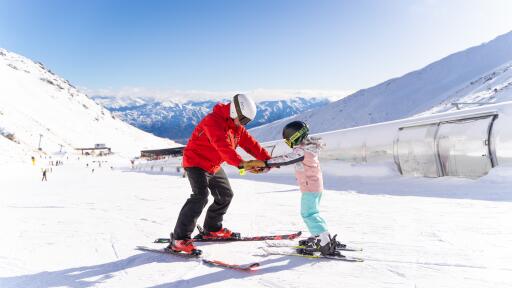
(199, 238)
(216, 263)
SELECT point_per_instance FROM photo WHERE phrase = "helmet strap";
(243, 120)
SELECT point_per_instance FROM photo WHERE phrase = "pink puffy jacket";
(308, 172)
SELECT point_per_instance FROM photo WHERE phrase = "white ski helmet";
(243, 107)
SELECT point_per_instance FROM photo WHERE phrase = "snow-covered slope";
(36, 104)
(10, 151)
(176, 118)
(492, 87)
(415, 232)
(482, 73)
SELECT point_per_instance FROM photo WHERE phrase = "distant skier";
(213, 142)
(44, 174)
(309, 178)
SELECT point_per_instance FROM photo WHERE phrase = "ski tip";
(293, 235)
(143, 249)
(348, 258)
(161, 240)
(244, 268)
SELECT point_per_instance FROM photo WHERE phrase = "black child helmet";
(294, 132)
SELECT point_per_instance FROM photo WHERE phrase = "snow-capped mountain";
(480, 74)
(176, 119)
(493, 87)
(41, 109)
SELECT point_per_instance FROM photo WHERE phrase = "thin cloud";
(182, 95)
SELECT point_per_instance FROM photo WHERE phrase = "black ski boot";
(308, 246)
(315, 241)
(329, 249)
(306, 251)
(308, 242)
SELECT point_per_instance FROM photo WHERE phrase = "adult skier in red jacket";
(213, 142)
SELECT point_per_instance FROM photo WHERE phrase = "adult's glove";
(252, 164)
(259, 170)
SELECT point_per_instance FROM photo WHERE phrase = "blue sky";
(159, 46)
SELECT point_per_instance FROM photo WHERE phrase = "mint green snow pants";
(310, 214)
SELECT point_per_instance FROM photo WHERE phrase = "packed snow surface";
(80, 228)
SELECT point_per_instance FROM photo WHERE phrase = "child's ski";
(341, 246)
(251, 238)
(316, 255)
(245, 268)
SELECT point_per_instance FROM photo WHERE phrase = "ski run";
(82, 229)
(217, 263)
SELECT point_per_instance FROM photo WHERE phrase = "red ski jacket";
(215, 139)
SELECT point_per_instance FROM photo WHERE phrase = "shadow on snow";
(77, 277)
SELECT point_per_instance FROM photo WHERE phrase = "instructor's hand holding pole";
(259, 170)
(251, 165)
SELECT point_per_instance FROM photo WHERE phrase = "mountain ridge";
(431, 89)
(42, 112)
(176, 120)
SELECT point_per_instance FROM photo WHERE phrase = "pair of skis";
(252, 238)
(272, 248)
(216, 263)
(294, 251)
(239, 267)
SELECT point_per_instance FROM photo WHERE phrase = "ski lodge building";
(161, 153)
(97, 150)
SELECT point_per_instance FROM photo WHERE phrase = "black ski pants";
(202, 181)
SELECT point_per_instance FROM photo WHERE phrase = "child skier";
(309, 178)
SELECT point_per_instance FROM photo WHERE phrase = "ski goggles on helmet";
(243, 120)
(297, 137)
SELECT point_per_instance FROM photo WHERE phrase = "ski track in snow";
(89, 225)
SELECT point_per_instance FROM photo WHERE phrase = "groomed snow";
(80, 229)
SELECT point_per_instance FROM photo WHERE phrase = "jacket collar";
(222, 110)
